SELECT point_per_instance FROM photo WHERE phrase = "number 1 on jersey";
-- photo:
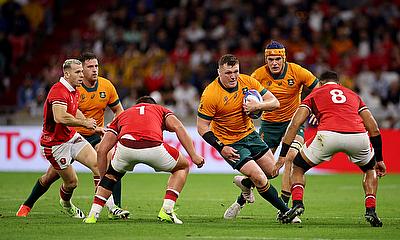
(141, 110)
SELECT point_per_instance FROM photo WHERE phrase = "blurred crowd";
(169, 49)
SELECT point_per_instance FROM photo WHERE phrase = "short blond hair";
(67, 63)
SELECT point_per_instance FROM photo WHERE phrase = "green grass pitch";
(334, 210)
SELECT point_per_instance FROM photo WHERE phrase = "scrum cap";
(274, 48)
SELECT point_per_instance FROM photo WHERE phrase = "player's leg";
(175, 185)
(103, 192)
(88, 157)
(360, 153)
(41, 186)
(261, 182)
(116, 193)
(70, 182)
(286, 184)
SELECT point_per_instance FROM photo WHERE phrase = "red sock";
(370, 201)
(99, 200)
(171, 194)
(64, 194)
(297, 192)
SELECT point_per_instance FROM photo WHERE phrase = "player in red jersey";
(344, 121)
(137, 132)
(60, 143)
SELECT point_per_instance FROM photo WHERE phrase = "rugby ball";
(253, 95)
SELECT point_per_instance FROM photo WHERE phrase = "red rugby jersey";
(56, 133)
(142, 121)
(336, 108)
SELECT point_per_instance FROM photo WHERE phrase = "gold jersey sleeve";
(224, 108)
(94, 101)
(286, 88)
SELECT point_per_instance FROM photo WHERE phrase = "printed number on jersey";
(141, 110)
(337, 96)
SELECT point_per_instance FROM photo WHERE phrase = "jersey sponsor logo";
(290, 82)
(102, 94)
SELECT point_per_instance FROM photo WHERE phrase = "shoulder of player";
(104, 81)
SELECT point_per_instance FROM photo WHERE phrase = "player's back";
(143, 121)
(336, 108)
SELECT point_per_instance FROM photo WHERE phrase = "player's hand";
(313, 121)
(90, 123)
(278, 165)
(251, 106)
(380, 169)
(100, 131)
(198, 160)
(230, 154)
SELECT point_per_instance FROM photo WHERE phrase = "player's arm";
(173, 124)
(375, 139)
(270, 102)
(298, 119)
(117, 109)
(227, 152)
(62, 116)
(107, 143)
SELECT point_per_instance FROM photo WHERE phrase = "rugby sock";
(241, 200)
(170, 198)
(370, 201)
(37, 191)
(285, 196)
(297, 194)
(65, 196)
(117, 193)
(247, 182)
(97, 206)
(269, 193)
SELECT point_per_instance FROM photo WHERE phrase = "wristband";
(211, 139)
(284, 149)
(377, 145)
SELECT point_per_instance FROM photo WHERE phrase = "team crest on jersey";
(63, 161)
(290, 82)
(102, 94)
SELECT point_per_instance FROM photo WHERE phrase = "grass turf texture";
(334, 210)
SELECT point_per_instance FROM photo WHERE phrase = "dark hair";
(329, 76)
(87, 56)
(274, 45)
(229, 59)
(146, 99)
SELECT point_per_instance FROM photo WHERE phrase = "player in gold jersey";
(96, 94)
(224, 124)
(286, 81)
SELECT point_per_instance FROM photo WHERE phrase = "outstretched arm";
(376, 140)
(107, 143)
(174, 125)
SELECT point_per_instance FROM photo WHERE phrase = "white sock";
(95, 210)
(168, 205)
(110, 203)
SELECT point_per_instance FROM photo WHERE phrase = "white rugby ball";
(253, 95)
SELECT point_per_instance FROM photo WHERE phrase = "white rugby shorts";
(326, 143)
(61, 156)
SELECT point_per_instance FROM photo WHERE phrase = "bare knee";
(182, 164)
(70, 184)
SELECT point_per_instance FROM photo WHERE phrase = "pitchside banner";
(20, 151)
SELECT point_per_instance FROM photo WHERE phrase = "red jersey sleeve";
(113, 126)
(57, 96)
